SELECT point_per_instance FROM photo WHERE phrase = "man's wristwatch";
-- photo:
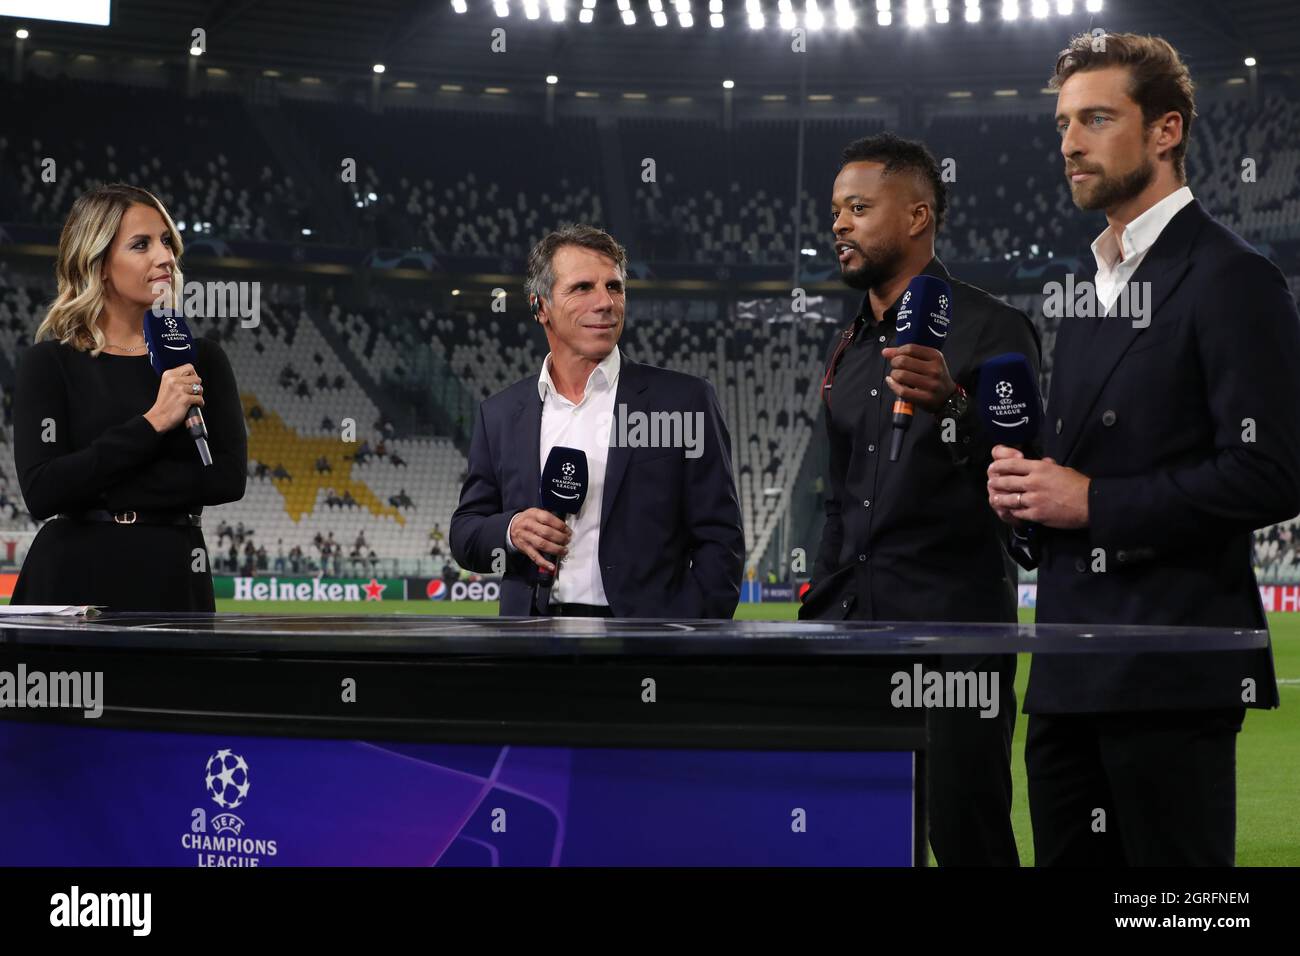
(955, 406)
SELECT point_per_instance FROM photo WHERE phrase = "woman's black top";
(81, 442)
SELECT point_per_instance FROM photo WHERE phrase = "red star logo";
(374, 589)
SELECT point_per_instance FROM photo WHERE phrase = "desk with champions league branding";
(240, 740)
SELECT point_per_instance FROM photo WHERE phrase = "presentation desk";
(416, 740)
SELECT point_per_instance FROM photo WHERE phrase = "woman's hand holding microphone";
(178, 390)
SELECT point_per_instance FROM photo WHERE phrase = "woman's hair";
(73, 318)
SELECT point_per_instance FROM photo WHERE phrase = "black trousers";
(1134, 789)
(968, 772)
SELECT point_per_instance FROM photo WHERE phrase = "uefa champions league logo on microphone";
(943, 303)
(1004, 391)
(567, 469)
(170, 323)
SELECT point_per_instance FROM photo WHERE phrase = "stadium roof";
(427, 40)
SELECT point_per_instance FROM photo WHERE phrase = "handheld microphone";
(923, 317)
(171, 346)
(562, 490)
(1007, 401)
(1009, 407)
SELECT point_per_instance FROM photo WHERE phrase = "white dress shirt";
(585, 425)
(1117, 261)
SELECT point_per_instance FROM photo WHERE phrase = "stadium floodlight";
(660, 18)
(1065, 7)
(728, 84)
(21, 34)
(531, 10)
(755, 10)
(715, 21)
(1249, 61)
(845, 18)
(196, 51)
(459, 6)
(916, 16)
(502, 8)
(629, 18)
(556, 10)
(656, 6)
(589, 4)
(972, 11)
(585, 15)
(1010, 10)
(378, 68)
(552, 79)
(884, 16)
(940, 11)
(812, 15)
(625, 4)
(1093, 6)
(1039, 9)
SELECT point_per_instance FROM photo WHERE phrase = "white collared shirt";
(585, 425)
(1116, 264)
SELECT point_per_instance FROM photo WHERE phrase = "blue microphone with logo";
(1010, 410)
(561, 491)
(171, 346)
(924, 314)
(1007, 402)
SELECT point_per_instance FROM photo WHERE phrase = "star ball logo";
(227, 779)
(943, 303)
(221, 841)
(568, 469)
(1004, 391)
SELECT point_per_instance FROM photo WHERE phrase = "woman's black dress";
(81, 442)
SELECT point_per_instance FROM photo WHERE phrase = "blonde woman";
(96, 441)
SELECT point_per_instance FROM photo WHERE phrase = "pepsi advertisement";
(112, 797)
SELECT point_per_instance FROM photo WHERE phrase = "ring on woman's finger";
(196, 388)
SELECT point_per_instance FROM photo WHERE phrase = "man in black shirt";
(914, 539)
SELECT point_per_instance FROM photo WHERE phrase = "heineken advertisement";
(340, 590)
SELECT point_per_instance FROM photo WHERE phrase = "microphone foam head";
(168, 340)
(564, 481)
(924, 312)
(1007, 399)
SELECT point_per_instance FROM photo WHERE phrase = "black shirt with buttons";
(914, 539)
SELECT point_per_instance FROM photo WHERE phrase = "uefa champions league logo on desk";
(226, 779)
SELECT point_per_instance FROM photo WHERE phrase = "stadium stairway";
(400, 415)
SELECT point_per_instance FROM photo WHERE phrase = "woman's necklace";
(127, 348)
